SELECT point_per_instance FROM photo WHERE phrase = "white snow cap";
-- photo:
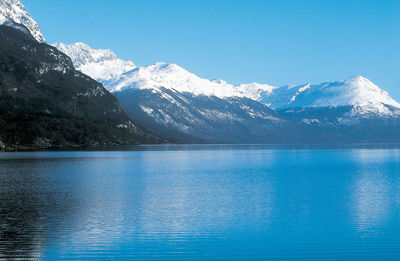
(14, 14)
(99, 64)
(119, 75)
(356, 91)
(174, 77)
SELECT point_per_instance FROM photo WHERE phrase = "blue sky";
(275, 42)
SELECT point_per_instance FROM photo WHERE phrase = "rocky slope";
(208, 119)
(46, 103)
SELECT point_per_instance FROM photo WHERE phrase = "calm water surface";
(201, 203)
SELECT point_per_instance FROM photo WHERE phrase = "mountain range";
(172, 101)
(168, 101)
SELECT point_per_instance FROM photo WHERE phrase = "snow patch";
(147, 110)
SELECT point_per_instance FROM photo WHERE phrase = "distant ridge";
(118, 75)
(356, 91)
(169, 99)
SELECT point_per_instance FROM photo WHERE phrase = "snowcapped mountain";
(119, 75)
(176, 103)
(179, 105)
(101, 65)
(358, 92)
(172, 77)
(14, 14)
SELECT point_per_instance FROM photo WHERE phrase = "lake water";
(201, 203)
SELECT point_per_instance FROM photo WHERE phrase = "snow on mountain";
(170, 76)
(178, 104)
(255, 91)
(119, 75)
(357, 91)
(178, 115)
(14, 14)
(101, 65)
(174, 77)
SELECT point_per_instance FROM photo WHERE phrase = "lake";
(201, 203)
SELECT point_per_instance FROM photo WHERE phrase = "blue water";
(201, 203)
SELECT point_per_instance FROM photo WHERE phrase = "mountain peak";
(358, 78)
(82, 53)
(14, 14)
(356, 91)
(100, 64)
(166, 66)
